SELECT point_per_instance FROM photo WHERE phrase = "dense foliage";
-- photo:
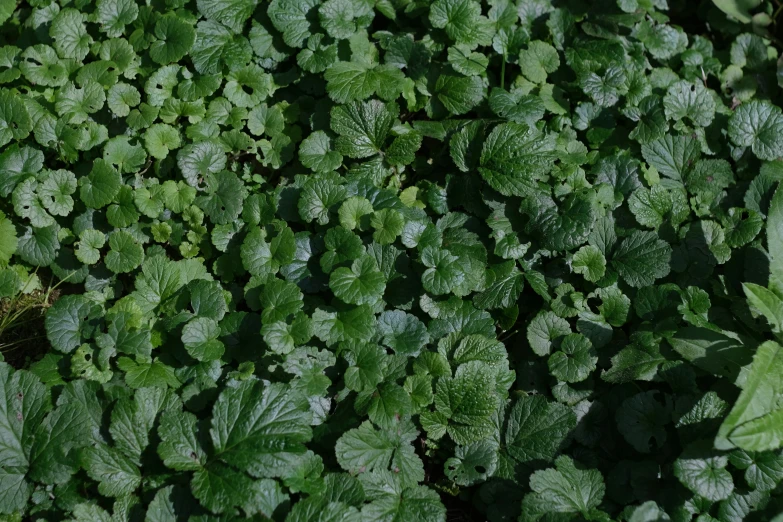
(369, 259)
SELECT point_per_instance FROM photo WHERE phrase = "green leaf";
(355, 213)
(538, 429)
(75, 104)
(763, 471)
(642, 419)
(672, 156)
(180, 447)
(642, 258)
(200, 337)
(128, 158)
(15, 121)
(457, 93)
(544, 329)
(55, 192)
(514, 157)
(222, 200)
(590, 262)
(99, 188)
(15, 491)
(774, 230)
(704, 472)
(562, 227)
(567, 488)
(739, 9)
(116, 474)
(604, 90)
(415, 503)
(125, 253)
(41, 65)
(366, 449)
(402, 332)
(8, 240)
(16, 164)
(504, 290)
(350, 81)
(754, 423)
(337, 17)
(472, 464)
(71, 39)
(25, 401)
(231, 13)
(388, 224)
(67, 321)
(27, 205)
(516, 106)
(766, 302)
(367, 365)
(280, 299)
(38, 246)
(254, 427)
(132, 420)
(653, 207)
(362, 128)
(90, 243)
(293, 18)
(114, 15)
(711, 351)
(457, 17)
(315, 153)
(317, 57)
(175, 38)
(363, 283)
(758, 125)
(355, 323)
(575, 360)
(443, 273)
(538, 60)
(466, 62)
(467, 402)
(638, 361)
(266, 120)
(160, 139)
(689, 100)
(319, 199)
(199, 160)
(219, 488)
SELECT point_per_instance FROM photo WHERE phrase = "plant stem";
(503, 72)
(5, 347)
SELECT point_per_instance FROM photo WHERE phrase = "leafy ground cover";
(392, 260)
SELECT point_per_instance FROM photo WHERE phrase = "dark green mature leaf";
(641, 420)
(566, 488)
(538, 429)
(254, 427)
(758, 125)
(712, 351)
(366, 449)
(514, 156)
(642, 258)
(68, 322)
(704, 472)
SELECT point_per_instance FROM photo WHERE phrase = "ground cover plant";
(394, 260)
